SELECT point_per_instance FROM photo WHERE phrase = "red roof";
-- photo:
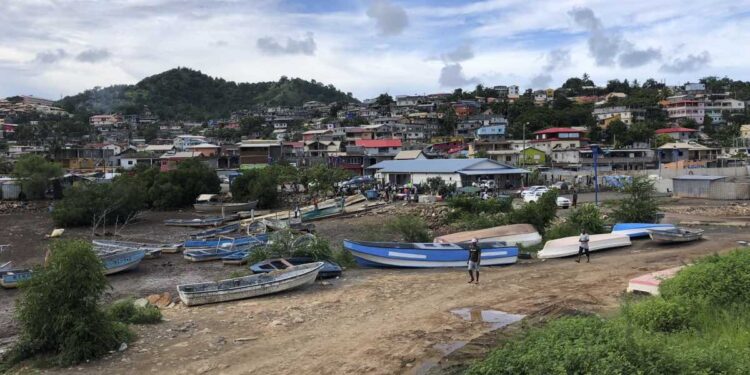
(674, 130)
(558, 130)
(372, 143)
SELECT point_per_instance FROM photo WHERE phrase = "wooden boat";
(322, 213)
(208, 233)
(637, 230)
(209, 203)
(119, 261)
(205, 255)
(10, 276)
(428, 255)
(249, 286)
(330, 269)
(516, 234)
(568, 246)
(152, 250)
(675, 235)
(649, 283)
(198, 222)
(227, 241)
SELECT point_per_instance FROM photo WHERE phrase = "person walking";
(575, 197)
(475, 256)
(583, 246)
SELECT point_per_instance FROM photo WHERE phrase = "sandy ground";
(369, 321)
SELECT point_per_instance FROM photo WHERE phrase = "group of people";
(389, 192)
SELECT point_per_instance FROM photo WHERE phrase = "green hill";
(187, 94)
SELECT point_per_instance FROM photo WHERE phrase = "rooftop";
(674, 130)
(476, 166)
(372, 143)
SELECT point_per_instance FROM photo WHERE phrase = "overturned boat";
(214, 232)
(428, 255)
(638, 230)
(152, 250)
(249, 286)
(516, 234)
(227, 241)
(197, 223)
(670, 235)
(120, 261)
(330, 268)
(568, 246)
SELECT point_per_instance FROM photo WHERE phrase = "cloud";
(461, 53)
(390, 19)
(452, 75)
(633, 58)
(557, 59)
(93, 55)
(50, 57)
(603, 46)
(304, 46)
(687, 64)
(541, 81)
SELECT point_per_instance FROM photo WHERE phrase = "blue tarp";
(617, 181)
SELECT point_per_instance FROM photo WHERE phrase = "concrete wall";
(729, 191)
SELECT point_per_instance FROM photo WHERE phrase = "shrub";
(59, 311)
(411, 228)
(639, 206)
(285, 243)
(180, 187)
(86, 203)
(659, 315)
(716, 280)
(539, 213)
(561, 230)
(588, 217)
(471, 213)
(126, 311)
(257, 184)
(35, 173)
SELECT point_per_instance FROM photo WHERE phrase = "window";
(130, 162)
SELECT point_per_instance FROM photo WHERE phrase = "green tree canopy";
(35, 173)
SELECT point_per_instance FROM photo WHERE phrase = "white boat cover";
(516, 234)
(568, 246)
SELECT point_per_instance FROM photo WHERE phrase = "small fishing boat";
(638, 230)
(322, 213)
(330, 269)
(649, 283)
(152, 250)
(198, 222)
(516, 234)
(249, 286)
(10, 277)
(428, 255)
(205, 255)
(214, 232)
(238, 258)
(568, 246)
(119, 261)
(227, 241)
(209, 203)
(675, 234)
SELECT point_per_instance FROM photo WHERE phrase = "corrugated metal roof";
(368, 143)
(480, 172)
(696, 177)
(438, 166)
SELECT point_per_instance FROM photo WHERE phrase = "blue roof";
(465, 166)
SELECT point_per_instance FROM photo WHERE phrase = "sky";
(52, 48)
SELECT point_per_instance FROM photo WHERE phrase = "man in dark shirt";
(475, 256)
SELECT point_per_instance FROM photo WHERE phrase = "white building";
(627, 115)
(461, 172)
(182, 142)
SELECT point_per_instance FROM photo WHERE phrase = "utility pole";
(595, 154)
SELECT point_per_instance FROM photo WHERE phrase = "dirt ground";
(369, 321)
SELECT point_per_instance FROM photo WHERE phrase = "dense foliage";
(88, 203)
(639, 206)
(700, 325)
(179, 187)
(286, 243)
(259, 184)
(411, 228)
(59, 311)
(322, 179)
(35, 173)
(539, 214)
(587, 217)
(126, 311)
(184, 93)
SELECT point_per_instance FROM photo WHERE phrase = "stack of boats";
(228, 250)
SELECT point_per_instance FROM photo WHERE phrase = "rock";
(298, 320)
(122, 347)
(141, 302)
(221, 340)
(153, 298)
(164, 300)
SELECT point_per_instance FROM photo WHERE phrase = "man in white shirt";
(583, 246)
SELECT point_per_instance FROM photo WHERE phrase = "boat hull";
(241, 241)
(11, 279)
(516, 234)
(122, 261)
(568, 246)
(638, 230)
(192, 295)
(228, 208)
(329, 270)
(675, 235)
(428, 255)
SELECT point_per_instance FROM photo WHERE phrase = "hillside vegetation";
(183, 93)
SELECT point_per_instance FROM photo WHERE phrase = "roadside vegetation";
(699, 325)
(639, 206)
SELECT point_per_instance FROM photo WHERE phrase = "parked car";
(560, 185)
(530, 190)
(563, 202)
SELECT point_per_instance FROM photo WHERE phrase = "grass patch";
(125, 311)
(411, 228)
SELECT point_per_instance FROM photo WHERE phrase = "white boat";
(649, 283)
(568, 246)
(669, 235)
(516, 234)
(209, 203)
(249, 286)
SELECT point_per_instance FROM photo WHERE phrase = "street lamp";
(595, 153)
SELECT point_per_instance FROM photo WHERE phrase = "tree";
(689, 123)
(93, 204)
(448, 122)
(587, 217)
(180, 187)
(384, 100)
(616, 131)
(663, 139)
(640, 132)
(322, 179)
(639, 206)
(5, 166)
(35, 173)
(59, 308)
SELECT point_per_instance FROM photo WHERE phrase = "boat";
(637, 230)
(675, 235)
(428, 255)
(325, 212)
(204, 255)
(227, 241)
(119, 261)
(10, 277)
(237, 258)
(209, 203)
(330, 269)
(198, 222)
(568, 246)
(152, 250)
(649, 283)
(249, 286)
(516, 234)
(214, 232)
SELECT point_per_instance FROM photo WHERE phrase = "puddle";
(494, 318)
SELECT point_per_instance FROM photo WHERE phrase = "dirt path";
(379, 321)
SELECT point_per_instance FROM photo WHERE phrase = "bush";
(87, 203)
(180, 187)
(715, 280)
(659, 315)
(539, 214)
(125, 311)
(257, 184)
(587, 217)
(59, 312)
(561, 230)
(411, 228)
(285, 244)
(35, 173)
(639, 206)
(472, 213)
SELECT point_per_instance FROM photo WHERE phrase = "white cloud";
(94, 55)
(304, 46)
(452, 75)
(688, 63)
(391, 19)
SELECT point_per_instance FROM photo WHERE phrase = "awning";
(478, 172)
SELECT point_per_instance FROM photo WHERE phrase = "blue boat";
(330, 269)
(204, 255)
(240, 241)
(9, 278)
(119, 261)
(637, 230)
(237, 258)
(428, 255)
(227, 229)
(201, 222)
